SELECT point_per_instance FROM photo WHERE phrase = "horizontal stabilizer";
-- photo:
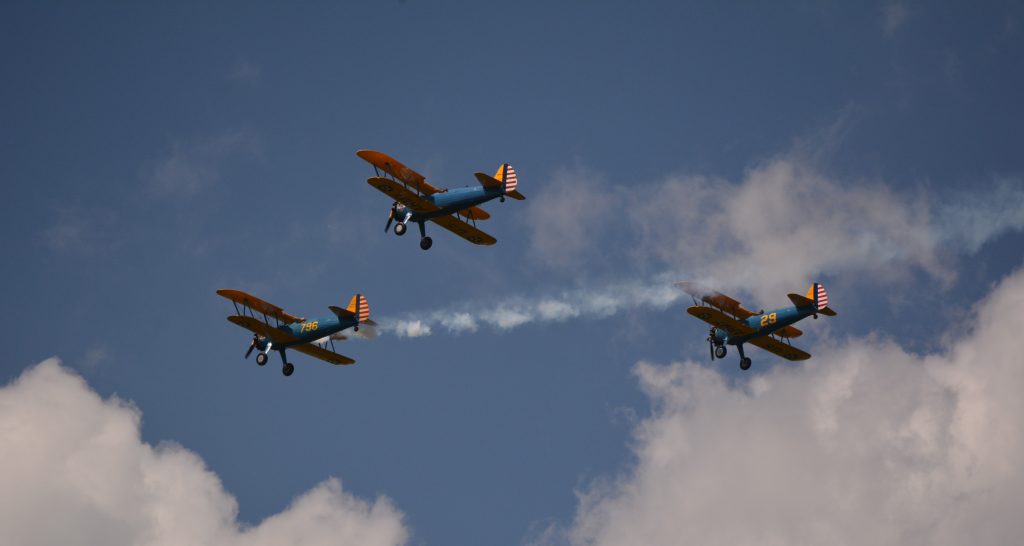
(487, 180)
(827, 311)
(800, 301)
(342, 313)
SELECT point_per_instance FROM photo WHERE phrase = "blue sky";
(154, 154)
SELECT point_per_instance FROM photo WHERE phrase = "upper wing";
(398, 192)
(717, 299)
(719, 319)
(395, 168)
(258, 305)
(464, 230)
(262, 328)
(779, 348)
(323, 354)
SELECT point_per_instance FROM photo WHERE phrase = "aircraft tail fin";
(509, 180)
(359, 307)
(817, 293)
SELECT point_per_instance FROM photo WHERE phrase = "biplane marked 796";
(732, 324)
(275, 329)
(417, 201)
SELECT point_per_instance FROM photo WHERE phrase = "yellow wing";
(719, 319)
(464, 230)
(717, 299)
(788, 331)
(399, 193)
(323, 354)
(395, 168)
(474, 213)
(262, 328)
(779, 348)
(258, 305)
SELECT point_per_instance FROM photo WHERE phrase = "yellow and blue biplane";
(417, 201)
(732, 324)
(275, 329)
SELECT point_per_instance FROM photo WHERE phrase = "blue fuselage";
(310, 330)
(766, 323)
(454, 200)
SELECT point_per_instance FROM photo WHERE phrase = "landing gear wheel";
(261, 358)
(745, 363)
(399, 229)
(426, 242)
(720, 351)
(288, 369)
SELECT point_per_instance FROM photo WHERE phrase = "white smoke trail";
(509, 313)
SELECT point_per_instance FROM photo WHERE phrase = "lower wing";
(464, 230)
(323, 354)
(779, 348)
(398, 192)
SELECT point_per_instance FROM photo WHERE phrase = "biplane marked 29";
(732, 324)
(417, 201)
(275, 329)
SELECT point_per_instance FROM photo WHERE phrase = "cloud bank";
(782, 226)
(77, 472)
(865, 444)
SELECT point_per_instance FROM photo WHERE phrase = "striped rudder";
(818, 293)
(507, 176)
(360, 307)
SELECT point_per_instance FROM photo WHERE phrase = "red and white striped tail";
(818, 293)
(360, 307)
(507, 176)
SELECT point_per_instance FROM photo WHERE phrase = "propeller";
(391, 216)
(711, 343)
(255, 341)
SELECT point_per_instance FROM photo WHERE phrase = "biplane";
(732, 324)
(417, 201)
(275, 329)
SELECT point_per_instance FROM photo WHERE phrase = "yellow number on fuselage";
(768, 319)
(310, 326)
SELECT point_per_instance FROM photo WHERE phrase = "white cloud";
(784, 213)
(864, 444)
(567, 208)
(195, 165)
(782, 227)
(894, 14)
(77, 472)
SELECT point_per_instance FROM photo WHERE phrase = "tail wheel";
(400, 229)
(745, 363)
(720, 351)
(261, 358)
(288, 369)
(426, 243)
